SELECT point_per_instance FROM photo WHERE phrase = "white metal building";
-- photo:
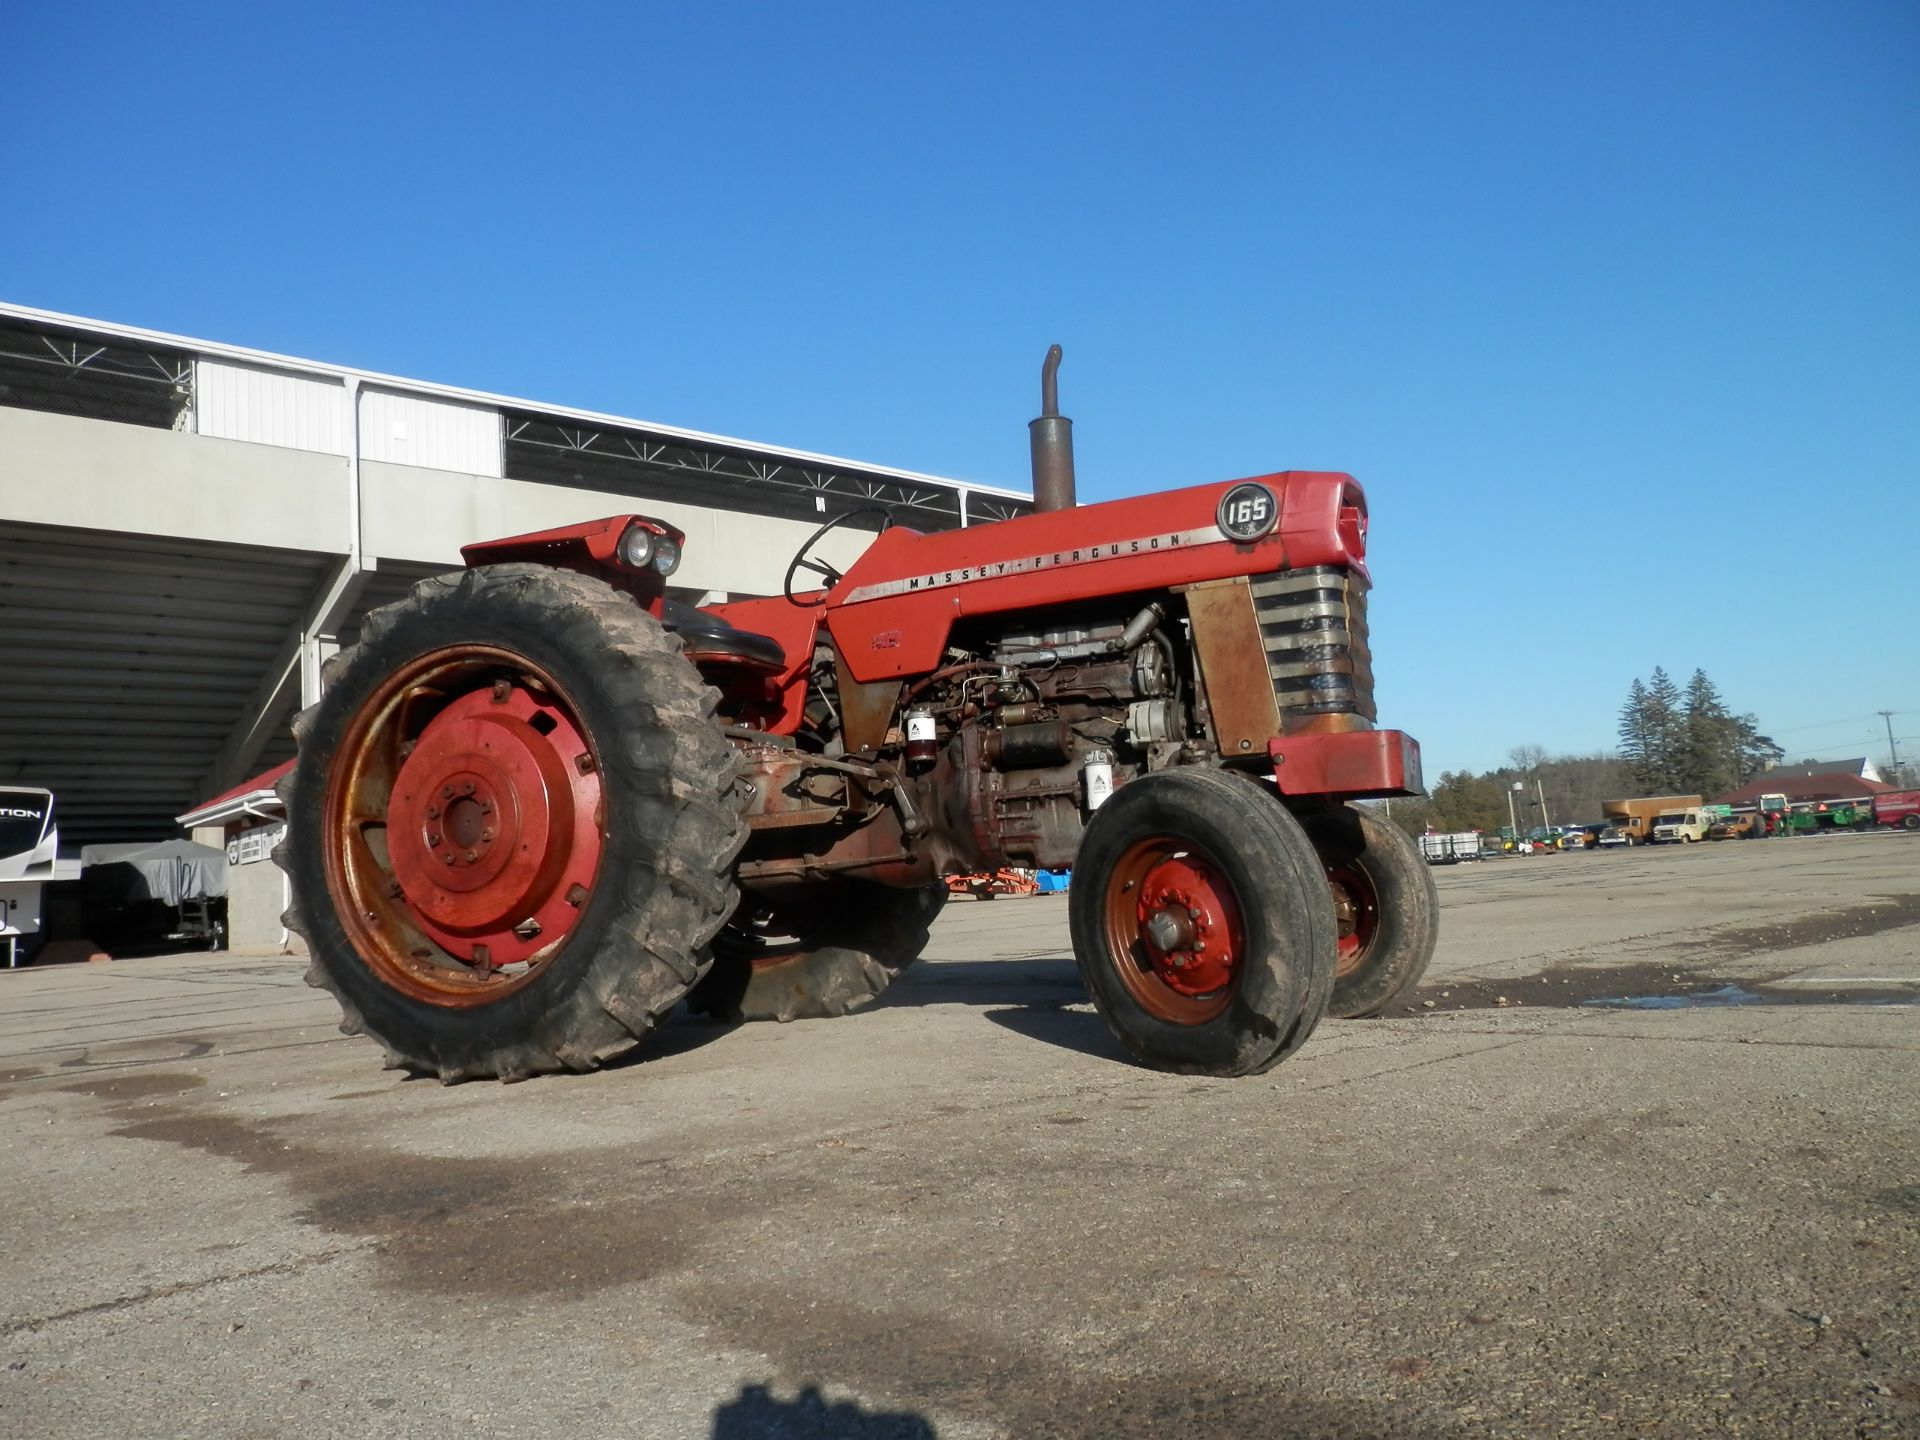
(187, 529)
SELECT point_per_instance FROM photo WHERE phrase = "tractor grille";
(1313, 624)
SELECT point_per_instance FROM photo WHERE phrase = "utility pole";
(1513, 821)
(1893, 755)
(1541, 791)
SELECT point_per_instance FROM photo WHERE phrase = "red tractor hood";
(891, 614)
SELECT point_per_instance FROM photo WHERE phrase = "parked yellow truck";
(1636, 817)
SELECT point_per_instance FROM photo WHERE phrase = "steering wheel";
(803, 561)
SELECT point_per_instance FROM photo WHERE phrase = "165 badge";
(1247, 512)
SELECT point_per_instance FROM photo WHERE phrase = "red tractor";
(541, 802)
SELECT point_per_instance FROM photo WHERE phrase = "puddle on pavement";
(1729, 996)
(1643, 987)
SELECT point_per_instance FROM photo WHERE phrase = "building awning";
(255, 797)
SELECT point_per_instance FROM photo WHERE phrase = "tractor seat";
(708, 635)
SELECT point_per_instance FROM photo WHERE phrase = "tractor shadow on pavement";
(756, 1414)
(1040, 997)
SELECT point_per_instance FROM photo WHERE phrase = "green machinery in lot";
(1826, 817)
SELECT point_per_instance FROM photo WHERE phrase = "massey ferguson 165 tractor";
(541, 802)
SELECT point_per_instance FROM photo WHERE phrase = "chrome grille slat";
(1292, 582)
(1313, 626)
(1336, 606)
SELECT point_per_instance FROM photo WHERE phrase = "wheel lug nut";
(433, 837)
(487, 834)
(1193, 912)
(448, 857)
(467, 788)
(472, 855)
(446, 792)
(433, 812)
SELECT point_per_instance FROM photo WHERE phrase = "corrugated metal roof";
(213, 348)
(126, 661)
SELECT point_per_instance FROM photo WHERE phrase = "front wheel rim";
(1356, 912)
(1174, 930)
(463, 825)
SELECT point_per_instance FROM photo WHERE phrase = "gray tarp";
(169, 870)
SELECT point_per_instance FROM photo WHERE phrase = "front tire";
(1385, 904)
(1202, 923)
(511, 825)
(829, 954)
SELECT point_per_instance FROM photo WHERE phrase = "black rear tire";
(1395, 911)
(668, 827)
(836, 952)
(1261, 899)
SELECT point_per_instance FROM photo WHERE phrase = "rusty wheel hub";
(1356, 913)
(466, 825)
(1174, 927)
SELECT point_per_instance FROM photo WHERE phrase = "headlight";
(666, 555)
(636, 547)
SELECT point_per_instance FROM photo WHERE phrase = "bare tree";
(1527, 758)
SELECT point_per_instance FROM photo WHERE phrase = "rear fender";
(777, 701)
(590, 547)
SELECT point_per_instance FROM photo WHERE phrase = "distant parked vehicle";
(1898, 809)
(1637, 816)
(1679, 827)
(1738, 827)
(1614, 837)
(1825, 817)
(1858, 816)
(1450, 849)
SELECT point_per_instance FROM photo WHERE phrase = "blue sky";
(1615, 310)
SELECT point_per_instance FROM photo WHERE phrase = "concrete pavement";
(1509, 1211)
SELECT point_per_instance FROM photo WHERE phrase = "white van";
(1680, 826)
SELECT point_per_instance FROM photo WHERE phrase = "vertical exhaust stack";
(1052, 436)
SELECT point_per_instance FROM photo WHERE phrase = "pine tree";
(1752, 751)
(1665, 728)
(1707, 751)
(1635, 741)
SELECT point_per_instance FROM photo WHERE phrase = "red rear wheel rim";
(1174, 930)
(1356, 912)
(464, 825)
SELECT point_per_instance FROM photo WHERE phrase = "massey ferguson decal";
(1028, 564)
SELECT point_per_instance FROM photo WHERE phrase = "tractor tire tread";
(666, 883)
(1408, 908)
(881, 932)
(1283, 991)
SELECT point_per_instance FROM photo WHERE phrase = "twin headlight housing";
(640, 548)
